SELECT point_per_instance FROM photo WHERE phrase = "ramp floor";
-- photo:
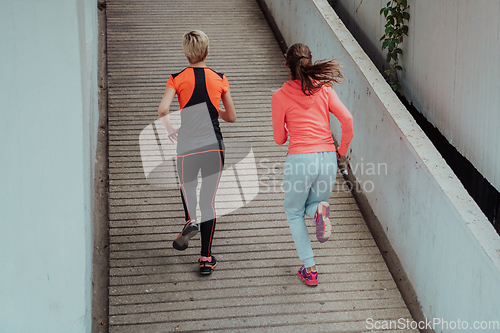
(255, 288)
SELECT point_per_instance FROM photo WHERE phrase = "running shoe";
(322, 219)
(182, 241)
(311, 278)
(206, 267)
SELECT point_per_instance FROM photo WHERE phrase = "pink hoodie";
(306, 119)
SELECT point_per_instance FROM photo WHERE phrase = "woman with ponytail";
(301, 113)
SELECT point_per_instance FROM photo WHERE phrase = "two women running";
(301, 114)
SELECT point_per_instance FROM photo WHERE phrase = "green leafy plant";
(395, 13)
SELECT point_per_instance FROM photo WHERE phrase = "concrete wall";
(48, 106)
(451, 70)
(448, 249)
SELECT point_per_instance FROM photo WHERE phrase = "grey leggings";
(211, 164)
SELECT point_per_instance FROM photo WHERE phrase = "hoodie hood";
(293, 90)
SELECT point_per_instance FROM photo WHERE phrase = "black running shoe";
(189, 231)
(206, 267)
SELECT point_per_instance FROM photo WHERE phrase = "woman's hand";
(172, 133)
(340, 158)
(342, 163)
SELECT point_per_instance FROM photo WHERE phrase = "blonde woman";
(200, 145)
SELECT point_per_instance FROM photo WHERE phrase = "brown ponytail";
(312, 76)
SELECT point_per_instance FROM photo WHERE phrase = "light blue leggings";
(308, 179)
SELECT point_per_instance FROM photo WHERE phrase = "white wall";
(48, 109)
(451, 69)
(447, 247)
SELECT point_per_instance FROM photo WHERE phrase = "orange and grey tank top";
(199, 92)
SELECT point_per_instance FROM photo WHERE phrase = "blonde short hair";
(195, 46)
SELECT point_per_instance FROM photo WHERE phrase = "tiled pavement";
(255, 288)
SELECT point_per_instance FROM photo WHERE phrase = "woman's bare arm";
(163, 113)
(229, 114)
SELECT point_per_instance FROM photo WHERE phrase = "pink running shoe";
(322, 219)
(311, 279)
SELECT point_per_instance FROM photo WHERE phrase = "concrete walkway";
(154, 288)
